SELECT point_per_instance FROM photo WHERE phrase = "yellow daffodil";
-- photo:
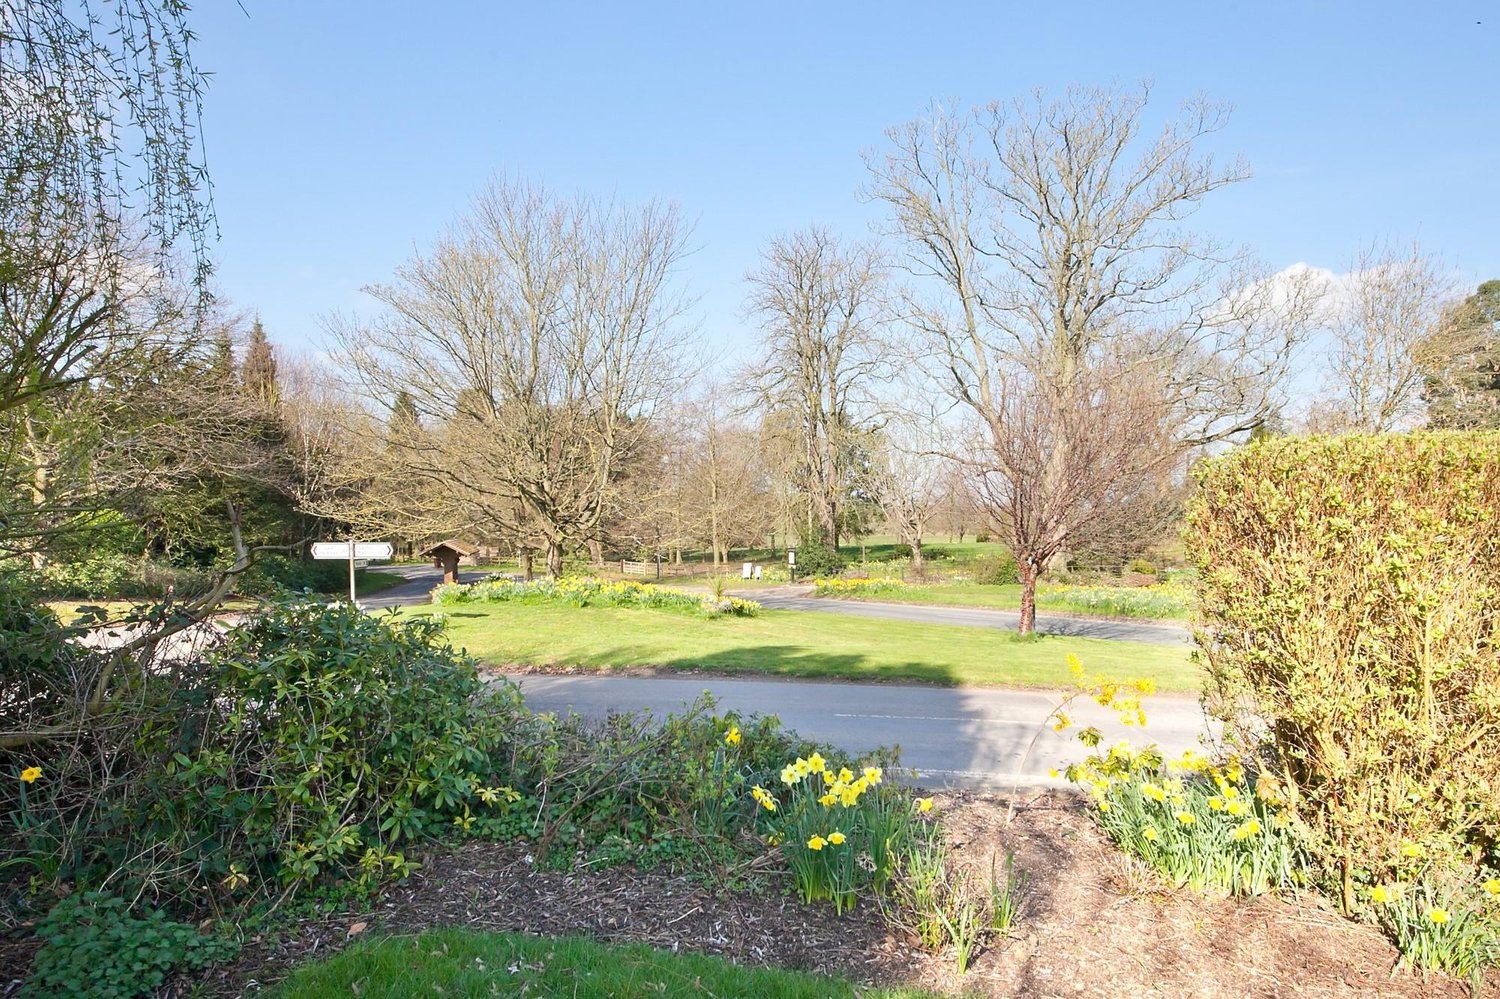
(924, 804)
(1245, 830)
(30, 774)
(1492, 887)
(828, 800)
(732, 737)
(1237, 808)
(873, 775)
(1409, 849)
(1439, 915)
(817, 843)
(816, 763)
(1150, 835)
(846, 776)
(1382, 895)
(836, 838)
(1186, 818)
(1216, 803)
(788, 775)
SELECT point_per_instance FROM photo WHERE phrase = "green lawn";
(470, 963)
(1110, 601)
(797, 643)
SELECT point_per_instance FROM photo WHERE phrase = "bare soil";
(1093, 924)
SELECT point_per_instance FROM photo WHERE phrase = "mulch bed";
(1093, 923)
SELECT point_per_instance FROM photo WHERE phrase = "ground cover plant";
(797, 643)
(460, 962)
(1348, 595)
(579, 591)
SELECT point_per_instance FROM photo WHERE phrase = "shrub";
(1160, 600)
(997, 570)
(93, 947)
(316, 739)
(273, 572)
(587, 592)
(1350, 616)
(1142, 566)
(816, 558)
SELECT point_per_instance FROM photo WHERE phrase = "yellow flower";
(1409, 849)
(30, 774)
(835, 838)
(1150, 834)
(773, 839)
(828, 800)
(873, 775)
(816, 763)
(763, 796)
(1381, 895)
(1216, 803)
(924, 804)
(1153, 792)
(1247, 829)
(1492, 887)
(1186, 818)
(1438, 915)
(1237, 807)
(1052, 772)
(789, 775)
(1063, 721)
(1103, 806)
(732, 737)
(803, 767)
(817, 843)
(846, 776)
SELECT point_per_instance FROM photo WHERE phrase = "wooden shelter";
(449, 555)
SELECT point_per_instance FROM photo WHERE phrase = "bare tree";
(1045, 242)
(910, 478)
(1384, 317)
(819, 303)
(537, 340)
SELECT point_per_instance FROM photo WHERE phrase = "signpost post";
(353, 551)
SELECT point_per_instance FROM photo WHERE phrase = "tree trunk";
(596, 553)
(1027, 571)
(554, 558)
(917, 561)
(528, 569)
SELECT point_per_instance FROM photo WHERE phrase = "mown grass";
(1138, 603)
(798, 643)
(470, 963)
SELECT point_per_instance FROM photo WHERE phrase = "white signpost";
(354, 551)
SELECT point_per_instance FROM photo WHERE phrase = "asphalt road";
(416, 588)
(977, 617)
(963, 737)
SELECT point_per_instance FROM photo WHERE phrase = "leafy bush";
(587, 592)
(1350, 600)
(316, 739)
(93, 947)
(273, 572)
(817, 558)
(997, 570)
(1142, 566)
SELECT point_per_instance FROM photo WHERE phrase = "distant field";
(797, 643)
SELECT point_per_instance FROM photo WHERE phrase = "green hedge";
(1350, 621)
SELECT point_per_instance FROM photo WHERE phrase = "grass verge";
(799, 643)
(1136, 603)
(469, 963)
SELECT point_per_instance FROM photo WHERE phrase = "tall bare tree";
(819, 303)
(1384, 319)
(1045, 242)
(537, 340)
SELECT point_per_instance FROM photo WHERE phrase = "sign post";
(353, 551)
(791, 563)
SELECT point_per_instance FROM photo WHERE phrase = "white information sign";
(361, 549)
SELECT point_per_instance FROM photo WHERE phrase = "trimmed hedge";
(1349, 600)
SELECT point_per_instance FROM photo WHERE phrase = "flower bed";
(587, 592)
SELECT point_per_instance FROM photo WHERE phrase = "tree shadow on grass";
(783, 661)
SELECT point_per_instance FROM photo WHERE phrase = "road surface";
(953, 737)
(417, 587)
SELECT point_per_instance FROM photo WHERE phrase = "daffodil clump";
(840, 587)
(577, 591)
(1160, 600)
(1454, 929)
(840, 830)
(1199, 824)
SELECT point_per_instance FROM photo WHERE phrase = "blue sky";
(342, 137)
